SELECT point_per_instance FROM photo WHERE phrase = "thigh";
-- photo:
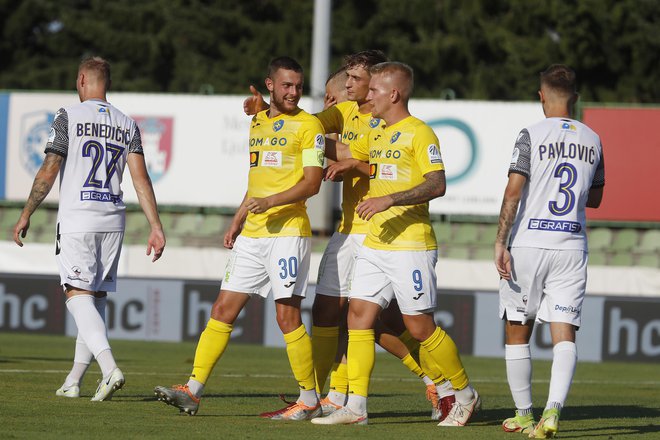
(521, 296)
(245, 271)
(336, 267)
(287, 263)
(77, 261)
(108, 259)
(369, 282)
(414, 280)
(564, 288)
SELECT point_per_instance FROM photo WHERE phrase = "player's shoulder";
(347, 107)
(419, 127)
(307, 119)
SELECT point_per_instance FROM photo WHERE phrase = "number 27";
(95, 150)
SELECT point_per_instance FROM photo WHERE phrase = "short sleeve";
(426, 149)
(58, 137)
(360, 147)
(522, 154)
(136, 142)
(599, 175)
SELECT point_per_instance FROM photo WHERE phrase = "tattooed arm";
(43, 182)
(433, 186)
(508, 212)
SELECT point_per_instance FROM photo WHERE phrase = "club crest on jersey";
(394, 137)
(374, 122)
(277, 125)
(254, 159)
(156, 133)
(35, 132)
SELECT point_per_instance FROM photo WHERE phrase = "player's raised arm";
(255, 103)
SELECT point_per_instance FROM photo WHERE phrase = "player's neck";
(364, 107)
(396, 114)
(87, 96)
(557, 110)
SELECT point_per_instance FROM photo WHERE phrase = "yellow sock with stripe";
(212, 343)
(324, 348)
(443, 356)
(339, 379)
(412, 365)
(361, 358)
(299, 351)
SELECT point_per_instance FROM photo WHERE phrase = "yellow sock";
(412, 365)
(339, 379)
(324, 348)
(443, 355)
(361, 359)
(411, 343)
(299, 350)
(211, 345)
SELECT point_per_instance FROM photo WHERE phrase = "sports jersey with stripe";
(94, 138)
(562, 160)
(399, 156)
(279, 149)
(346, 119)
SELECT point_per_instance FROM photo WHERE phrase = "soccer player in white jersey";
(399, 253)
(89, 146)
(557, 170)
(270, 241)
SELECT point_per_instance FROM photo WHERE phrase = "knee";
(288, 321)
(222, 312)
(326, 312)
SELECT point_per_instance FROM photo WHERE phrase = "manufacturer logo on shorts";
(419, 295)
(289, 284)
(76, 275)
(570, 310)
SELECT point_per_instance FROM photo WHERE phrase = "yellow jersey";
(276, 164)
(345, 119)
(399, 156)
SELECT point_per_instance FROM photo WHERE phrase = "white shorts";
(409, 276)
(89, 260)
(547, 284)
(281, 263)
(337, 264)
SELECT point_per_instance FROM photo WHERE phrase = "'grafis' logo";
(157, 143)
(277, 125)
(394, 137)
(35, 131)
(374, 122)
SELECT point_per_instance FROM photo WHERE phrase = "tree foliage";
(471, 49)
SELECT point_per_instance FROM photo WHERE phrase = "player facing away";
(557, 170)
(352, 119)
(399, 253)
(89, 146)
(270, 240)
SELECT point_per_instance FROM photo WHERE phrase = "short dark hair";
(98, 65)
(333, 75)
(286, 63)
(366, 59)
(560, 78)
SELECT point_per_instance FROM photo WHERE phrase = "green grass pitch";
(608, 400)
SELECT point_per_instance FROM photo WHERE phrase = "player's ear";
(395, 95)
(269, 84)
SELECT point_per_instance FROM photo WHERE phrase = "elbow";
(440, 191)
(314, 188)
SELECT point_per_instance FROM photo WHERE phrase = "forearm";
(507, 216)
(241, 213)
(43, 182)
(147, 200)
(433, 186)
(298, 192)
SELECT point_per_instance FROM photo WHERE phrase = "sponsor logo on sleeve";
(434, 154)
(514, 157)
(319, 142)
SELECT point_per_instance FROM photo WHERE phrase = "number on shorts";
(564, 188)
(289, 267)
(417, 279)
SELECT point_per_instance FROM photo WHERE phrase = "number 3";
(564, 188)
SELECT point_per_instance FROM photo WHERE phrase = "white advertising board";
(196, 146)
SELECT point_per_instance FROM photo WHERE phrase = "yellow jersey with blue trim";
(280, 148)
(399, 156)
(346, 119)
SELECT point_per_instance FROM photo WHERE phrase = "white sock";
(308, 397)
(427, 380)
(337, 398)
(519, 374)
(465, 396)
(564, 360)
(445, 389)
(92, 330)
(82, 357)
(195, 387)
(357, 404)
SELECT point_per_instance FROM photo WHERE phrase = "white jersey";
(95, 139)
(562, 160)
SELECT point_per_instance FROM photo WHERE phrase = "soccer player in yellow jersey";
(400, 251)
(270, 241)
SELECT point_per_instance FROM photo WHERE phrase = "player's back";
(99, 138)
(564, 156)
